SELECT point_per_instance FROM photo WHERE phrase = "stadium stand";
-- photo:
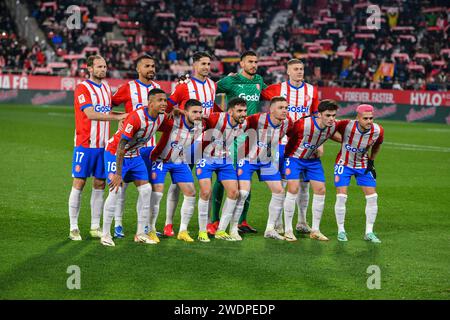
(409, 51)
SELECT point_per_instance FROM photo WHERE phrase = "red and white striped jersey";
(176, 140)
(134, 94)
(264, 137)
(219, 134)
(91, 133)
(302, 101)
(137, 129)
(305, 137)
(356, 144)
(203, 91)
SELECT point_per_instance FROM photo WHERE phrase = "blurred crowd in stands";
(405, 47)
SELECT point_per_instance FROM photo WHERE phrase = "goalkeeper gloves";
(371, 168)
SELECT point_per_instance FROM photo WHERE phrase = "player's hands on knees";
(116, 183)
(371, 168)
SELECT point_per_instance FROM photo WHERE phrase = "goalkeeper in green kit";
(247, 85)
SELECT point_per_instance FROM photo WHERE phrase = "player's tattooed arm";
(116, 180)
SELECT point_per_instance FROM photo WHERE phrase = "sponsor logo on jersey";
(299, 109)
(81, 98)
(262, 144)
(247, 97)
(103, 109)
(129, 128)
(354, 150)
(208, 104)
(306, 145)
(176, 145)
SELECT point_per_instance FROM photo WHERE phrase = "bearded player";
(172, 155)
(201, 88)
(248, 86)
(134, 95)
(361, 143)
(92, 102)
(303, 101)
(221, 129)
(123, 163)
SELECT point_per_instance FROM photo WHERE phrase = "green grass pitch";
(413, 224)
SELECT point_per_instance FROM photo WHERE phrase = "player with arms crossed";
(123, 163)
(172, 154)
(201, 88)
(306, 136)
(358, 136)
(92, 102)
(303, 101)
(248, 86)
(134, 95)
(265, 131)
(221, 131)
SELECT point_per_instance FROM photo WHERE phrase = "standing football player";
(134, 95)
(201, 88)
(303, 101)
(123, 163)
(92, 103)
(306, 136)
(248, 86)
(359, 138)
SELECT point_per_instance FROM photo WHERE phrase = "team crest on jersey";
(258, 86)
(129, 128)
(307, 98)
(77, 168)
(81, 98)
